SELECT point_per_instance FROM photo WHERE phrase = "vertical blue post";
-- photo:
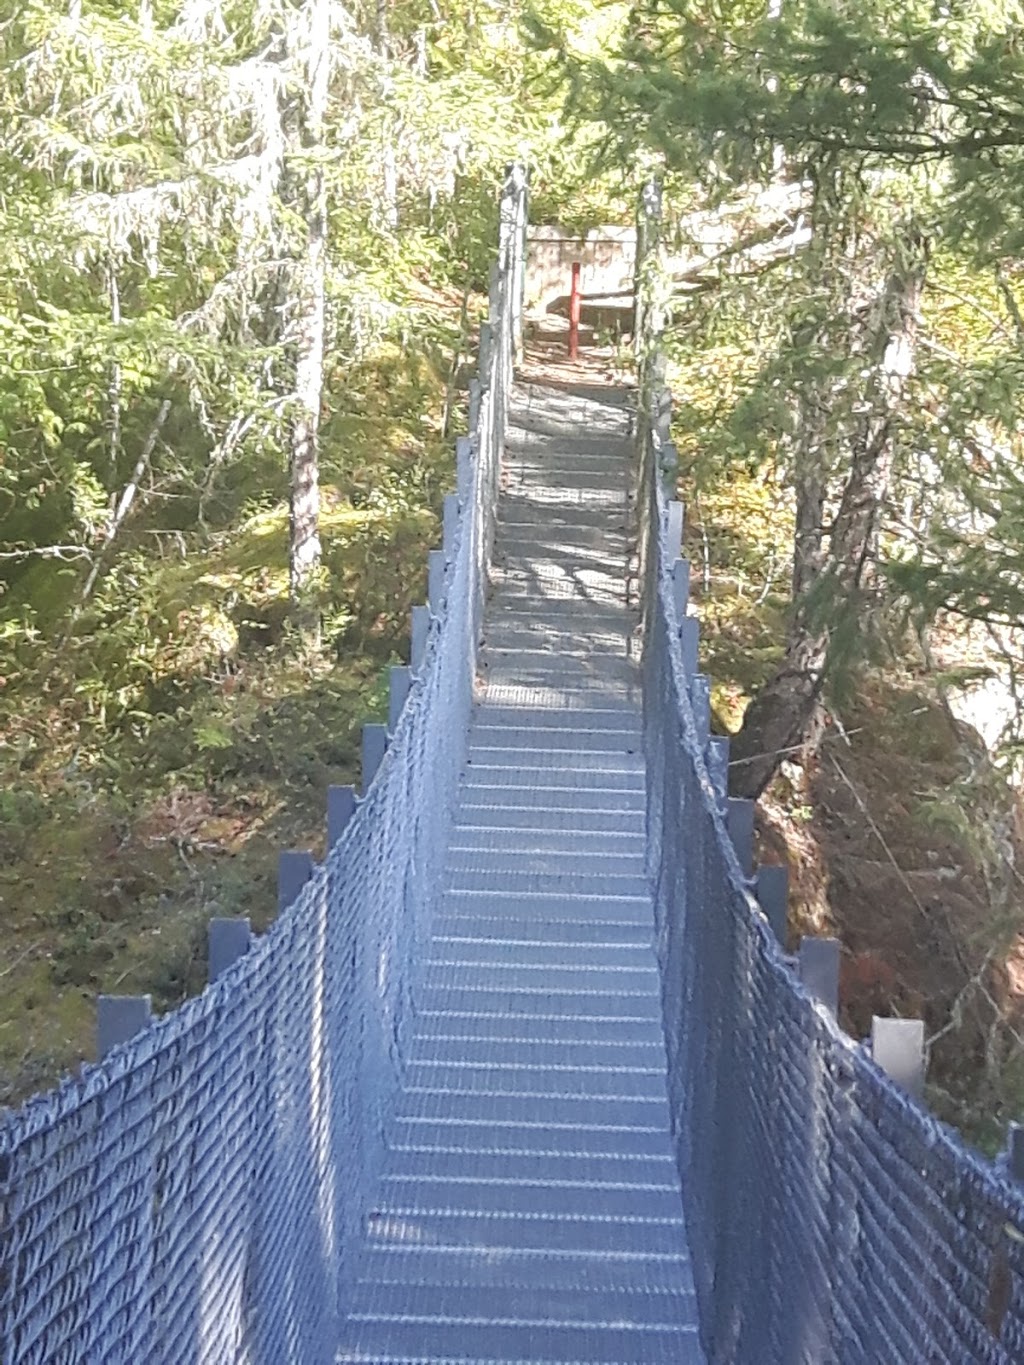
(739, 815)
(897, 1046)
(663, 414)
(668, 472)
(700, 702)
(464, 468)
(680, 588)
(486, 343)
(294, 869)
(375, 743)
(401, 681)
(717, 759)
(118, 1019)
(773, 896)
(819, 971)
(1015, 1151)
(674, 530)
(689, 635)
(228, 940)
(450, 525)
(418, 637)
(341, 806)
(435, 581)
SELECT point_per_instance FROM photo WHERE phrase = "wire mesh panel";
(197, 1196)
(831, 1219)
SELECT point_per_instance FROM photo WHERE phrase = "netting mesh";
(831, 1219)
(196, 1197)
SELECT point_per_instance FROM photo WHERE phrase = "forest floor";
(110, 891)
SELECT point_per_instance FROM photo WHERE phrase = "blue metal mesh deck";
(530, 1208)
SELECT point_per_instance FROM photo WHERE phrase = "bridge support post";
(668, 472)
(674, 530)
(773, 897)
(401, 682)
(661, 418)
(341, 806)
(700, 702)
(450, 523)
(435, 581)
(647, 314)
(486, 344)
(294, 869)
(897, 1046)
(575, 306)
(1015, 1151)
(717, 759)
(819, 971)
(689, 635)
(739, 815)
(513, 216)
(118, 1019)
(419, 628)
(474, 405)
(375, 743)
(228, 939)
(463, 468)
(680, 589)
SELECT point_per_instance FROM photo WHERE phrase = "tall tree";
(885, 124)
(832, 567)
(305, 301)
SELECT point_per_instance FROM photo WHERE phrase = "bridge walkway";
(531, 1209)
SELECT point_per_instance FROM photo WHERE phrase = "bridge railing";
(196, 1195)
(830, 1217)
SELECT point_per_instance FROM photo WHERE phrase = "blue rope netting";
(831, 1219)
(197, 1196)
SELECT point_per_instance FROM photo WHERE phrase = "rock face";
(606, 256)
(992, 701)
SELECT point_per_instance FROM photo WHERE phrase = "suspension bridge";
(521, 1073)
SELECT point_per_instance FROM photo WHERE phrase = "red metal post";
(574, 313)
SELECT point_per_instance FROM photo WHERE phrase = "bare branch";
(117, 521)
(49, 552)
(997, 322)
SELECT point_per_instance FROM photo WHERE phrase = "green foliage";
(162, 730)
(815, 157)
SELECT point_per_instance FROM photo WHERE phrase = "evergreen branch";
(969, 145)
(935, 287)
(699, 285)
(794, 748)
(124, 506)
(1010, 299)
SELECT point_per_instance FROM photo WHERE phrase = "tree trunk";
(309, 300)
(828, 582)
(114, 389)
(825, 331)
(306, 308)
(389, 156)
